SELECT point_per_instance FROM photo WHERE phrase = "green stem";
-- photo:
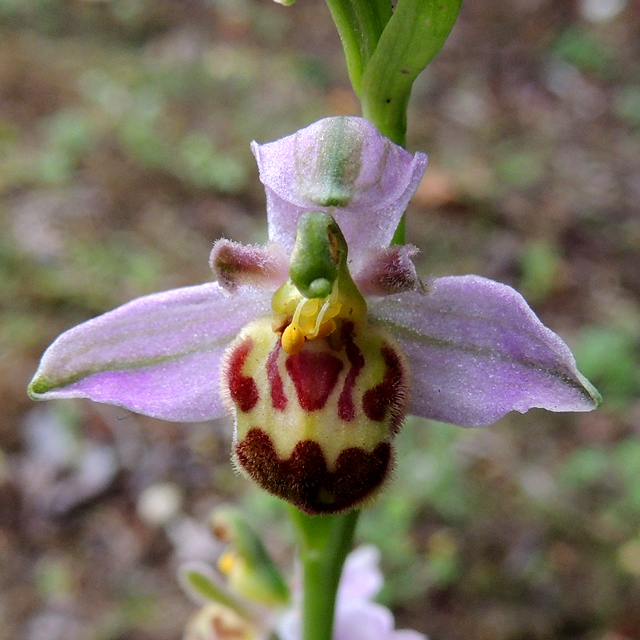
(324, 542)
(360, 24)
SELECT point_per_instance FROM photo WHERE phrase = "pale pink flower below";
(357, 617)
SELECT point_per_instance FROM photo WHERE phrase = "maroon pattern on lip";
(304, 480)
(278, 396)
(389, 394)
(314, 375)
(243, 389)
(346, 406)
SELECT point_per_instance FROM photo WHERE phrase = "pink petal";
(389, 270)
(407, 634)
(361, 578)
(236, 264)
(364, 621)
(342, 166)
(477, 351)
(158, 355)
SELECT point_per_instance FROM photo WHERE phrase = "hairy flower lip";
(475, 349)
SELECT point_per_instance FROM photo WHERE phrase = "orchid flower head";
(320, 342)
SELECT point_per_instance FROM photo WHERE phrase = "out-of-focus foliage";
(124, 131)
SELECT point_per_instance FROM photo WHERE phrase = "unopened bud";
(217, 622)
(246, 563)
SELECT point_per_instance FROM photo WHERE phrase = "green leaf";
(197, 583)
(412, 38)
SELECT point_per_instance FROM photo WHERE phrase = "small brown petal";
(236, 264)
(389, 271)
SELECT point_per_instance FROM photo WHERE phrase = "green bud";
(247, 564)
(215, 621)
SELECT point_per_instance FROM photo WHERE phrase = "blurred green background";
(124, 153)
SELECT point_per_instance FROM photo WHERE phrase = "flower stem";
(359, 23)
(324, 544)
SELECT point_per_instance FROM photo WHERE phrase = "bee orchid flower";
(320, 342)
